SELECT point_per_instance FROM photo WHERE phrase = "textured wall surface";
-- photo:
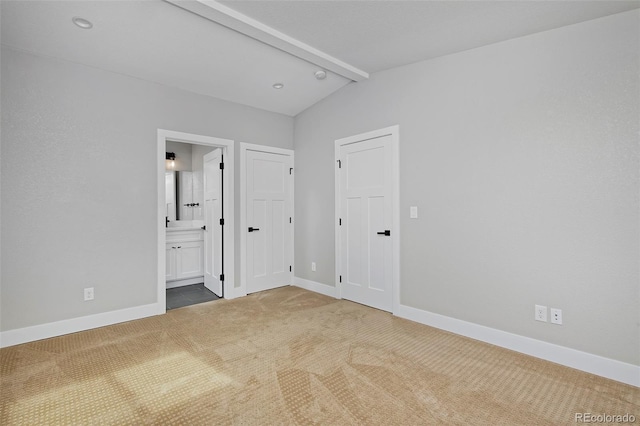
(523, 159)
(79, 190)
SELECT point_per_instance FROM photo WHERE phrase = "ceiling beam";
(230, 18)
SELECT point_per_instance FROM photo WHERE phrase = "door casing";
(227, 146)
(394, 133)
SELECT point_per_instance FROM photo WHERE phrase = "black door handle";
(251, 229)
(387, 233)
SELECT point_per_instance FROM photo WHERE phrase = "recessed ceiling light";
(320, 75)
(82, 23)
(278, 86)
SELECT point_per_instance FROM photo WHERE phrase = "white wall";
(522, 157)
(79, 190)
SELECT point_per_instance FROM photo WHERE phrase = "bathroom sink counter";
(185, 225)
(183, 228)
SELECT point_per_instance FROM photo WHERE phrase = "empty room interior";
(319, 212)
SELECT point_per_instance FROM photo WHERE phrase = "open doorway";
(195, 219)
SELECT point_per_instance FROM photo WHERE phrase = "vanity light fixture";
(278, 86)
(82, 23)
(171, 160)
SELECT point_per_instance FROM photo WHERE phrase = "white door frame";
(394, 132)
(244, 147)
(227, 146)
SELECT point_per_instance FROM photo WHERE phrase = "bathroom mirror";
(184, 195)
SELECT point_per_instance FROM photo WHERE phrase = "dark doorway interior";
(188, 295)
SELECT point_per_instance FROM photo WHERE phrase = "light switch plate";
(413, 212)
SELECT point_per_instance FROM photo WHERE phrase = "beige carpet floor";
(289, 356)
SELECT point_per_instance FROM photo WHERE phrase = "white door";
(366, 216)
(269, 211)
(212, 221)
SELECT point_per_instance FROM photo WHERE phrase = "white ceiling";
(378, 35)
(156, 41)
(159, 42)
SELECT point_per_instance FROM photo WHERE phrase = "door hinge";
(340, 278)
(340, 222)
(221, 277)
(339, 164)
(290, 170)
(221, 166)
(221, 221)
(290, 268)
(289, 220)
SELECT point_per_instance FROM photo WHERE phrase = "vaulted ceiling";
(237, 50)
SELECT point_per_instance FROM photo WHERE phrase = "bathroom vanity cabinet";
(185, 257)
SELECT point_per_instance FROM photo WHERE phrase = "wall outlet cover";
(541, 313)
(88, 293)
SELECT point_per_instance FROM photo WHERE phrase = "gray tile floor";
(188, 295)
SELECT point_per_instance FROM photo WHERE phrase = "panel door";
(212, 215)
(269, 209)
(366, 237)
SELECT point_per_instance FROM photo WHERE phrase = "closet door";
(269, 189)
(366, 234)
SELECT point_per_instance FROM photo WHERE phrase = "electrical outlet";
(88, 293)
(556, 316)
(541, 313)
(313, 266)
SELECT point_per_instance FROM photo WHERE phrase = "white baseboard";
(317, 287)
(594, 364)
(58, 328)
